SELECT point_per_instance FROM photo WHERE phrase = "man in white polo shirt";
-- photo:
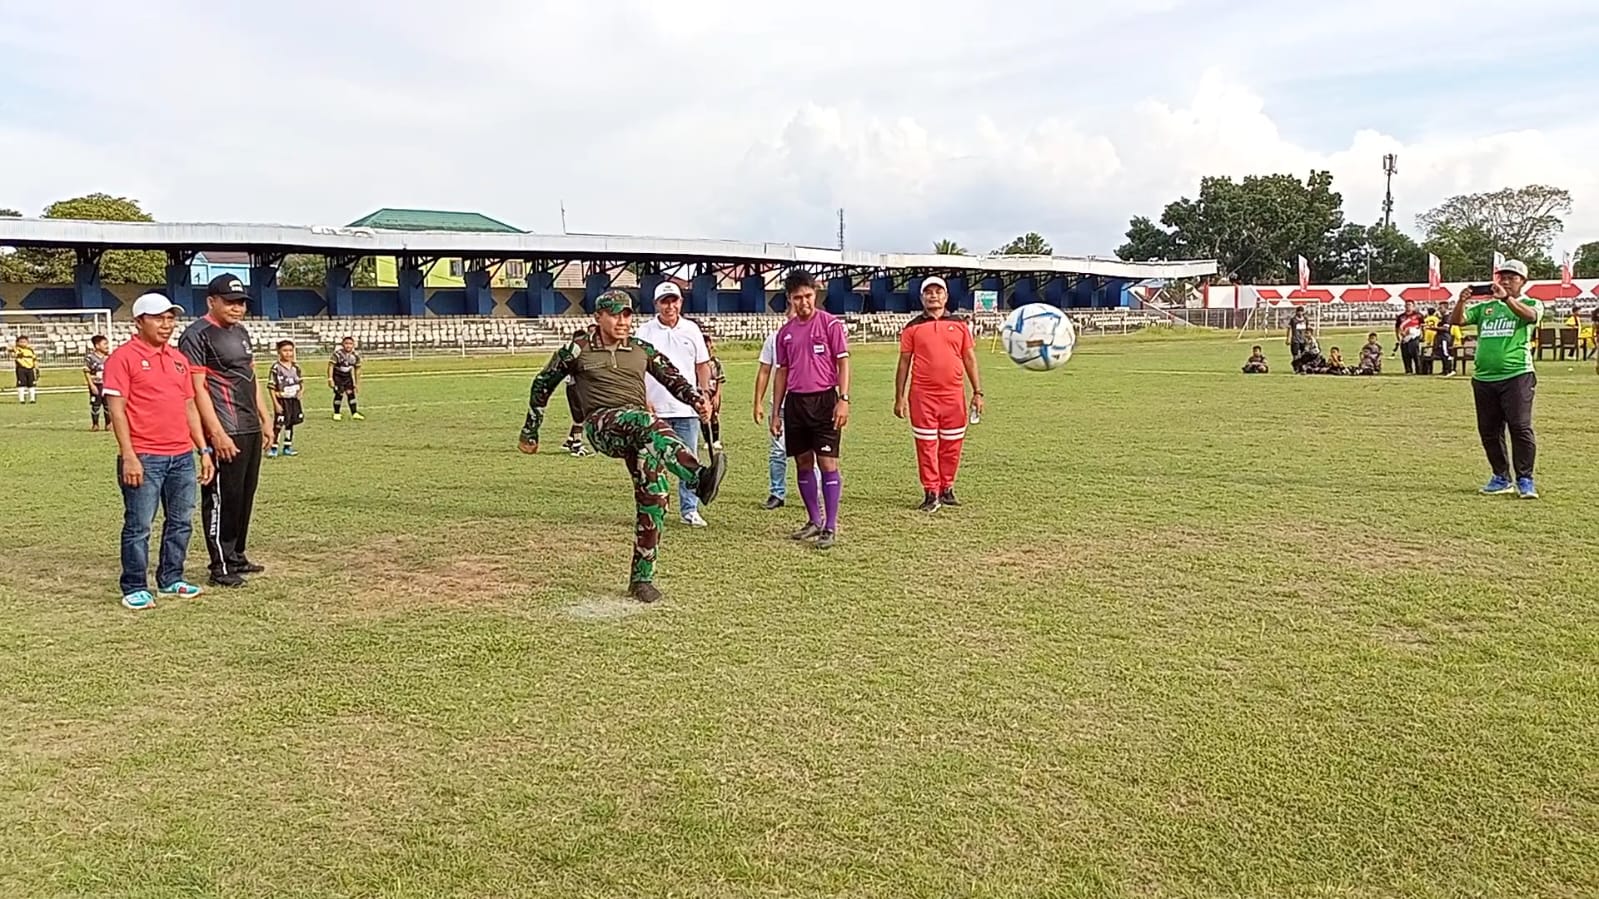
(681, 341)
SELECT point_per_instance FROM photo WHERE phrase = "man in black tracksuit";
(238, 425)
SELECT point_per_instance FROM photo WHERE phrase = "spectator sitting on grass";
(1256, 364)
(1371, 356)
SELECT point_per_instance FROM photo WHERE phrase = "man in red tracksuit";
(935, 351)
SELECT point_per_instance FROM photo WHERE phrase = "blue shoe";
(138, 599)
(272, 453)
(1526, 489)
(1498, 486)
(289, 451)
(180, 590)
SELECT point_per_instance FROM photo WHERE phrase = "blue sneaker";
(289, 451)
(138, 599)
(180, 590)
(1498, 486)
(272, 453)
(1526, 489)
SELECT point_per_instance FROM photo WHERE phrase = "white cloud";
(718, 118)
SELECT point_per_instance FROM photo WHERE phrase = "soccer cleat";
(289, 451)
(1498, 485)
(947, 498)
(226, 580)
(1526, 489)
(710, 478)
(929, 502)
(825, 540)
(356, 416)
(337, 417)
(808, 532)
(138, 599)
(272, 452)
(574, 446)
(644, 591)
(181, 590)
(773, 502)
(695, 520)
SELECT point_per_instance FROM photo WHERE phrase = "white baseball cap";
(668, 289)
(154, 304)
(934, 280)
(1515, 266)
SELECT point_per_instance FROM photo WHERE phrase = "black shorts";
(290, 412)
(344, 384)
(97, 400)
(27, 377)
(808, 423)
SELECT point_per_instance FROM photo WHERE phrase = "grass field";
(1192, 634)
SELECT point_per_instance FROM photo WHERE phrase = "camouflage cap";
(613, 301)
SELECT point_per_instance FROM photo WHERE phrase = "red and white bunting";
(1435, 272)
(1304, 274)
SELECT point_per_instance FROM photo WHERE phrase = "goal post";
(60, 338)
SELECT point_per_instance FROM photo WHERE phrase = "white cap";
(1513, 265)
(154, 304)
(932, 280)
(667, 289)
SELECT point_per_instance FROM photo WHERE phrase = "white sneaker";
(695, 520)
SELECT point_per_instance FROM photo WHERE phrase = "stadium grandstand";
(464, 282)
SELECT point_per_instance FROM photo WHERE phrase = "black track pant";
(1411, 351)
(1507, 405)
(226, 504)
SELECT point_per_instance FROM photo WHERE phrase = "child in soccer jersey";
(1256, 363)
(344, 376)
(1370, 356)
(27, 371)
(285, 383)
(718, 378)
(94, 378)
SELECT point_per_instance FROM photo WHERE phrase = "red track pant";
(938, 422)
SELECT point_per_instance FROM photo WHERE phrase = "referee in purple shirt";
(811, 386)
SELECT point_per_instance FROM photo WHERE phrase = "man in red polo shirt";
(935, 351)
(150, 397)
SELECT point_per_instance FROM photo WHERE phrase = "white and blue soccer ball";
(1038, 337)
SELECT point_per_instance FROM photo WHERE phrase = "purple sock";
(832, 486)
(810, 492)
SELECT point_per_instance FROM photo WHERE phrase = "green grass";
(1193, 634)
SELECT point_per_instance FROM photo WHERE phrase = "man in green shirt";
(1504, 382)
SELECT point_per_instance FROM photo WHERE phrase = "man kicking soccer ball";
(607, 367)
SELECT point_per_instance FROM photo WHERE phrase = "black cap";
(227, 287)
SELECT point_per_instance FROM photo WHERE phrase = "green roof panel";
(432, 220)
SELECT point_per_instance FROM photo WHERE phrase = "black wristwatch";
(843, 397)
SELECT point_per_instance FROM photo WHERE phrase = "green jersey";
(1504, 339)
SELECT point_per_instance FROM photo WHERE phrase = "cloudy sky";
(756, 120)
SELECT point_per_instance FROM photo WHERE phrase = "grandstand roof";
(432, 220)
(367, 241)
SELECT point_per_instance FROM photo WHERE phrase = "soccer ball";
(1038, 337)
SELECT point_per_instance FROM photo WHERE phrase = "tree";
(1030, 244)
(949, 248)
(116, 266)
(1585, 261)
(1521, 223)
(306, 270)
(11, 268)
(1255, 229)
(1394, 257)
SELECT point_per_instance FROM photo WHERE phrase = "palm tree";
(1030, 244)
(948, 248)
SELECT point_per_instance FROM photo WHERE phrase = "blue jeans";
(170, 482)
(688, 431)
(777, 468)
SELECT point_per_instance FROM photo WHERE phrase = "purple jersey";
(810, 351)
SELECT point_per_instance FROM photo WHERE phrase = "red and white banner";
(1304, 274)
(1435, 272)
(1226, 296)
(1565, 270)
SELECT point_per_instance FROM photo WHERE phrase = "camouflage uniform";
(618, 424)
